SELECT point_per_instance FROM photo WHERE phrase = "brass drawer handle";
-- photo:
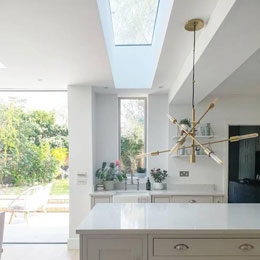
(192, 201)
(181, 247)
(246, 247)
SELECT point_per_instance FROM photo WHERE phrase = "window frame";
(145, 126)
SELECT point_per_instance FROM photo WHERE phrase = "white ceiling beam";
(218, 16)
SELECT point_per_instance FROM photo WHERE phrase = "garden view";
(33, 149)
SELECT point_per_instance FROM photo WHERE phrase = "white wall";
(157, 130)
(93, 137)
(81, 141)
(231, 110)
(106, 129)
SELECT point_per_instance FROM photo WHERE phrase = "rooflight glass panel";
(133, 21)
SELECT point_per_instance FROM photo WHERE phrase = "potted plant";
(186, 124)
(119, 177)
(159, 176)
(106, 174)
(141, 172)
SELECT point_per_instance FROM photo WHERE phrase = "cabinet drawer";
(193, 199)
(206, 247)
(100, 199)
(114, 248)
(160, 199)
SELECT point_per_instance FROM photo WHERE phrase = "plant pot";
(109, 185)
(158, 186)
(119, 185)
(141, 175)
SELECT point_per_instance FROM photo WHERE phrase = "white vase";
(158, 186)
(109, 185)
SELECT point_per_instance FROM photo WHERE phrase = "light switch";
(82, 178)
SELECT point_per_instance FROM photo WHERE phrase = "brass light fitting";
(193, 26)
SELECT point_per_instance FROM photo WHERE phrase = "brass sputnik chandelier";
(193, 26)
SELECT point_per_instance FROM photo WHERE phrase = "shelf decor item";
(207, 129)
(185, 125)
(159, 176)
(193, 26)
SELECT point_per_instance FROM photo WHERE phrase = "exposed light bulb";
(215, 158)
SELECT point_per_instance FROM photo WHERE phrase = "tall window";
(132, 118)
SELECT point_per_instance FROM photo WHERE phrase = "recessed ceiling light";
(160, 87)
(105, 87)
(39, 80)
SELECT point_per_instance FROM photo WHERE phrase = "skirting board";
(73, 243)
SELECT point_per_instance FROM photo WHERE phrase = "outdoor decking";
(57, 203)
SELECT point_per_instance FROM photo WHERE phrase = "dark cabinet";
(247, 150)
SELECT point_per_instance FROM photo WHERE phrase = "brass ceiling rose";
(189, 25)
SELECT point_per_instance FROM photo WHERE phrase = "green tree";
(33, 147)
(132, 133)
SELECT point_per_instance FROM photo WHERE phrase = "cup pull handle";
(181, 247)
(192, 201)
(246, 247)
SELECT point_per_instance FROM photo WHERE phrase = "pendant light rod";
(193, 63)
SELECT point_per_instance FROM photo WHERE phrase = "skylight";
(133, 21)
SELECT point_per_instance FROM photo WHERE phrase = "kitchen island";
(171, 231)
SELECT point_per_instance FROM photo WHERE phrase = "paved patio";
(42, 228)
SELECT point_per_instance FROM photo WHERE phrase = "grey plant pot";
(109, 185)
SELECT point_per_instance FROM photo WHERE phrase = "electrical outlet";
(184, 173)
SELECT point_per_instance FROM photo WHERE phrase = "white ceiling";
(244, 81)
(237, 37)
(50, 44)
(178, 42)
(58, 41)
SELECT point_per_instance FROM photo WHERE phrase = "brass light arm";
(231, 139)
(155, 153)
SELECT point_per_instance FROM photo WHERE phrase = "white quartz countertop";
(147, 218)
(162, 192)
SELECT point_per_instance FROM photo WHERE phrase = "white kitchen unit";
(164, 196)
(101, 198)
(149, 231)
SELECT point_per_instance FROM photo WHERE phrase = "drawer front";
(115, 249)
(102, 200)
(218, 199)
(193, 199)
(166, 247)
(160, 199)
